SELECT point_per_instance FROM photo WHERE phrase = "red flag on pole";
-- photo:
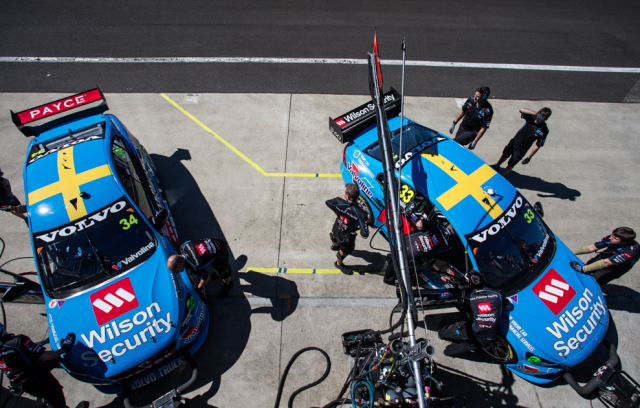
(375, 51)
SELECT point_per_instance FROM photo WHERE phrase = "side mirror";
(160, 219)
(538, 207)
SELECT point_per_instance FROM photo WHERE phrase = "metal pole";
(389, 168)
(404, 51)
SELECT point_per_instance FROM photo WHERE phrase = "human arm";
(525, 111)
(455, 121)
(585, 250)
(481, 133)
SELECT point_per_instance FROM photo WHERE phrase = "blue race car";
(101, 233)
(554, 317)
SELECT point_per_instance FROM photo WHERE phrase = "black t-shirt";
(430, 240)
(529, 133)
(19, 361)
(350, 216)
(623, 256)
(486, 306)
(476, 118)
(201, 252)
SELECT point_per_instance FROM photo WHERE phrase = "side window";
(128, 175)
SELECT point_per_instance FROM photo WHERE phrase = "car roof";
(454, 179)
(54, 182)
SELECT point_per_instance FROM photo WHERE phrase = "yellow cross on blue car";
(101, 233)
(554, 317)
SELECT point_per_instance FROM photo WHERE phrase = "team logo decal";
(484, 307)
(554, 291)
(202, 249)
(113, 301)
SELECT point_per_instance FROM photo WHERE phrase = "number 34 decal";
(126, 224)
(529, 215)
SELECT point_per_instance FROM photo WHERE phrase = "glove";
(16, 388)
(68, 341)
(526, 161)
(472, 145)
(452, 128)
(576, 266)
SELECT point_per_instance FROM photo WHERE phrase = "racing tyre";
(364, 204)
(195, 280)
(501, 351)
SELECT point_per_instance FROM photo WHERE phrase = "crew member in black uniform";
(7, 198)
(28, 366)
(477, 112)
(486, 308)
(351, 217)
(620, 253)
(534, 130)
(200, 254)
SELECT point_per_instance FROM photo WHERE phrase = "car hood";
(562, 316)
(119, 324)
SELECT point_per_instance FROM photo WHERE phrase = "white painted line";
(343, 61)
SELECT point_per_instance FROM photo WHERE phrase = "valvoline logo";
(554, 291)
(113, 301)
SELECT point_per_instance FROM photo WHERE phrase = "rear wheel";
(365, 204)
(501, 351)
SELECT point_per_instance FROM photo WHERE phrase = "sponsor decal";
(364, 110)
(554, 291)
(52, 329)
(497, 225)
(434, 240)
(355, 174)
(156, 374)
(137, 255)
(202, 249)
(484, 308)
(193, 331)
(59, 106)
(146, 318)
(520, 333)
(52, 304)
(513, 299)
(341, 122)
(53, 236)
(585, 317)
(534, 360)
(446, 295)
(60, 303)
(417, 149)
(113, 301)
(335, 134)
(42, 153)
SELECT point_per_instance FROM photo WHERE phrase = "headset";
(485, 91)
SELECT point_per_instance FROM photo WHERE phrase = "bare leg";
(507, 170)
(502, 160)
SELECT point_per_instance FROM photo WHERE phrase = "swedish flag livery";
(554, 318)
(101, 232)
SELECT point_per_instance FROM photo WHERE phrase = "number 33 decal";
(529, 215)
(406, 194)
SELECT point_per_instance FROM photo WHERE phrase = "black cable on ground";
(15, 259)
(371, 242)
(306, 387)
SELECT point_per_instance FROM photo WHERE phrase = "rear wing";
(69, 103)
(346, 127)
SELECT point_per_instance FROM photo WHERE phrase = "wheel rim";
(365, 206)
(499, 350)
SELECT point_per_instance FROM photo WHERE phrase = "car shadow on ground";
(547, 189)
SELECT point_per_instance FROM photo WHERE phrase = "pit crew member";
(477, 113)
(534, 130)
(7, 198)
(204, 252)
(486, 308)
(620, 253)
(28, 366)
(350, 218)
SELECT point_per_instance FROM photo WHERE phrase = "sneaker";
(225, 290)
(83, 404)
(344, 269)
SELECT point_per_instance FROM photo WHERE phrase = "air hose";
(306, 387)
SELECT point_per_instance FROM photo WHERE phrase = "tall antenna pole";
(404, 52)
(393, 227)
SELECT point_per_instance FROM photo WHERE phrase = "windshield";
(412, 135)
(89, 250)
(513, 250)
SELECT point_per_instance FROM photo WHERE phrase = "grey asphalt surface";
(586, 181)
(587, 33)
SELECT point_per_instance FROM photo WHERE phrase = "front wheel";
(501, 351)
(195, 281)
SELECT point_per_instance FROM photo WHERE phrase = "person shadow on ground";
(551, 189)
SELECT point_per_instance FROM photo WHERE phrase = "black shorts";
(516, 155)
(345, 241)
(222, 267)
(464, 137)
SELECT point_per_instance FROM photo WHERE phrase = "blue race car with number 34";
(554, 317)
(101, 232)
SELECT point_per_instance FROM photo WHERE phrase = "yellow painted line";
(297, 270)
(239, 153)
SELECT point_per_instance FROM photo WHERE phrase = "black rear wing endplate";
(347, 126)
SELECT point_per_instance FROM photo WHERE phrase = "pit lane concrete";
(585, 176)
